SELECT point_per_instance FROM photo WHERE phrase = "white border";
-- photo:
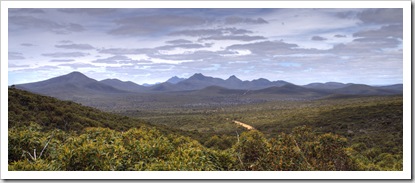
(405, 174)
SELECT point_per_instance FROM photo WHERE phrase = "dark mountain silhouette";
(217, 90)
(395, 87)
(175, 80)
(291, 90)
(198, 89)
(199, 81)
(361, 89)
(124, 85)
(163, 87)
(69, 86)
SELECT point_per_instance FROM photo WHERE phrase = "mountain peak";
(75, 77)
(233, 78)
(174, 80)
(75, 73)
(198, 76)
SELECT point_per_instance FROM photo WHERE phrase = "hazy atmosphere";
(151, 45)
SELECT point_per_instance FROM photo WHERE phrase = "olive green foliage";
(105, 149)
(372, 125)
(146, 148)
(47, 134)
(302, 150)
(51, 113)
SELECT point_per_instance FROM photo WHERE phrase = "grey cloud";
(79, 65)
(267, 47)
(45, 68)
(378, 43)
(238, 20)
(119, 59)
(11, 65)
(112, 60)
(125, 51)
(131, 69)
(142, 69)
(395, 31)
(364, 46)
(133, 31)
(210, 32)
(238, 38)
(162, 20)
(318, 38)
(197, 55)
(148, 25)
(73, 28)
(179, 41)
(76, 46)
(16, 56)
(65, 41)
(346, 14)
(89, 11)
(186, 46)
(26, 10)
(65, 54)
(27, 44)
(382, 16)
(62, 60)
(339, 36)
(30, 22)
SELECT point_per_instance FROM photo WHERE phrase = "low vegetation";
(332, 134)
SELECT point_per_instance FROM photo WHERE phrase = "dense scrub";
(373, 125)
(42, 137)
(51, 113)
(144, 148)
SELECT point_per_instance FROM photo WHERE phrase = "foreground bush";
(148, 149)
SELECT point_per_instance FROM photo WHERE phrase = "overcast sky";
(151, 45)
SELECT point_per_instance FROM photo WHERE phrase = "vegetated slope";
(373, 125)
(50, 113)
(147, 148)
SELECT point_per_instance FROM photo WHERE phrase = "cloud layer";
(152, 45)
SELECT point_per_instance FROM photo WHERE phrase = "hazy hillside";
(360, 89)
(124, 85)
(70, 86)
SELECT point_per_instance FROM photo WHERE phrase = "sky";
(300, 46)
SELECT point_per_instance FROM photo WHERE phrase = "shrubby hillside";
(47, 134)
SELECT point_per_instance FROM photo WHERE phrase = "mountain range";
(80, 88)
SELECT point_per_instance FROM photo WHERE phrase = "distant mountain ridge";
(77, 85)
(124, 85)
(72, 84)
(199, 81)
(175, 80)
